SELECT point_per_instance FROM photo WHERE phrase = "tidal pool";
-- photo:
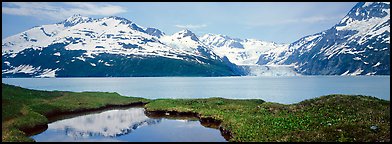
(130, 125)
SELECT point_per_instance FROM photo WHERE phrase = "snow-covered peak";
(118, 18)
(366, 20)
(108, 34)
(185, 33)
(359, 38)
(365, 11)
(215, 36)
(75, 19)
(186, 40)
(113, 35)
(218, 36)
(219, 40)
(111, 21)
(182, 40)
(238, 51)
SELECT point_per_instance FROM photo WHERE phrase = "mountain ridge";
(354, 46)
(109, 46)
(358, 45)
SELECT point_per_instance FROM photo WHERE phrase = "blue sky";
(281, 22)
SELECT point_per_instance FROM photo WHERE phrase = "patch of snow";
(81, 58)
(357, 58)
(13, 55)
(345, 73)
(197, 60)
(7, 63)
(357, 72)
(23, 69)
(107, 64)
(57, 54)
(371, 73)
(48, 73)
(377, 64)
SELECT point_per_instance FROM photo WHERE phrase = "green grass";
(24, 108)
(331, 118)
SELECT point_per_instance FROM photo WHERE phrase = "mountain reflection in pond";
(127, 125)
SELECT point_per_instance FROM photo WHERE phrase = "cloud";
(190, 26)
(318, 19)
(58, 12)
(308, 20)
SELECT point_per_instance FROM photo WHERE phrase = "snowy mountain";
(109, 46)
(113, 46)
(358, 45)
(188, 41)
(246, 53)
(238, 51)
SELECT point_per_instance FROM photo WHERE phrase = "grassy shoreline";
(25, 109)
(326, 118)
(332, 118)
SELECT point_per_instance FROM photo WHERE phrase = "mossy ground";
(23, 108)
(327, 118)
(331, 118)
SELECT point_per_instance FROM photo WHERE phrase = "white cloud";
(309, 20)
(52, 11)
(190, 26)
(317, 19)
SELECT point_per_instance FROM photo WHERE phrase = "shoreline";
(246, 76)
(325, 118)
(205, 121)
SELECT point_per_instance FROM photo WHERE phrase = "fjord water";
(285, 90)
(130, 125)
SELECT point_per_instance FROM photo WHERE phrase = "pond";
(129, 125)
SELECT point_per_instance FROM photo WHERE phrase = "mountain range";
(115, 47)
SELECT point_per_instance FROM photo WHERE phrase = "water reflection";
(127, 125)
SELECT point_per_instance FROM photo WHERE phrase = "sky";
(280, 22)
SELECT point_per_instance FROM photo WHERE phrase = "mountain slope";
(110, 46)
(245, 54)
(358, 45)
(113, 46)
(238, 51)
(188, 41)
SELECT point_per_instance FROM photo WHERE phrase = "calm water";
(284, 90)
(130, 125)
